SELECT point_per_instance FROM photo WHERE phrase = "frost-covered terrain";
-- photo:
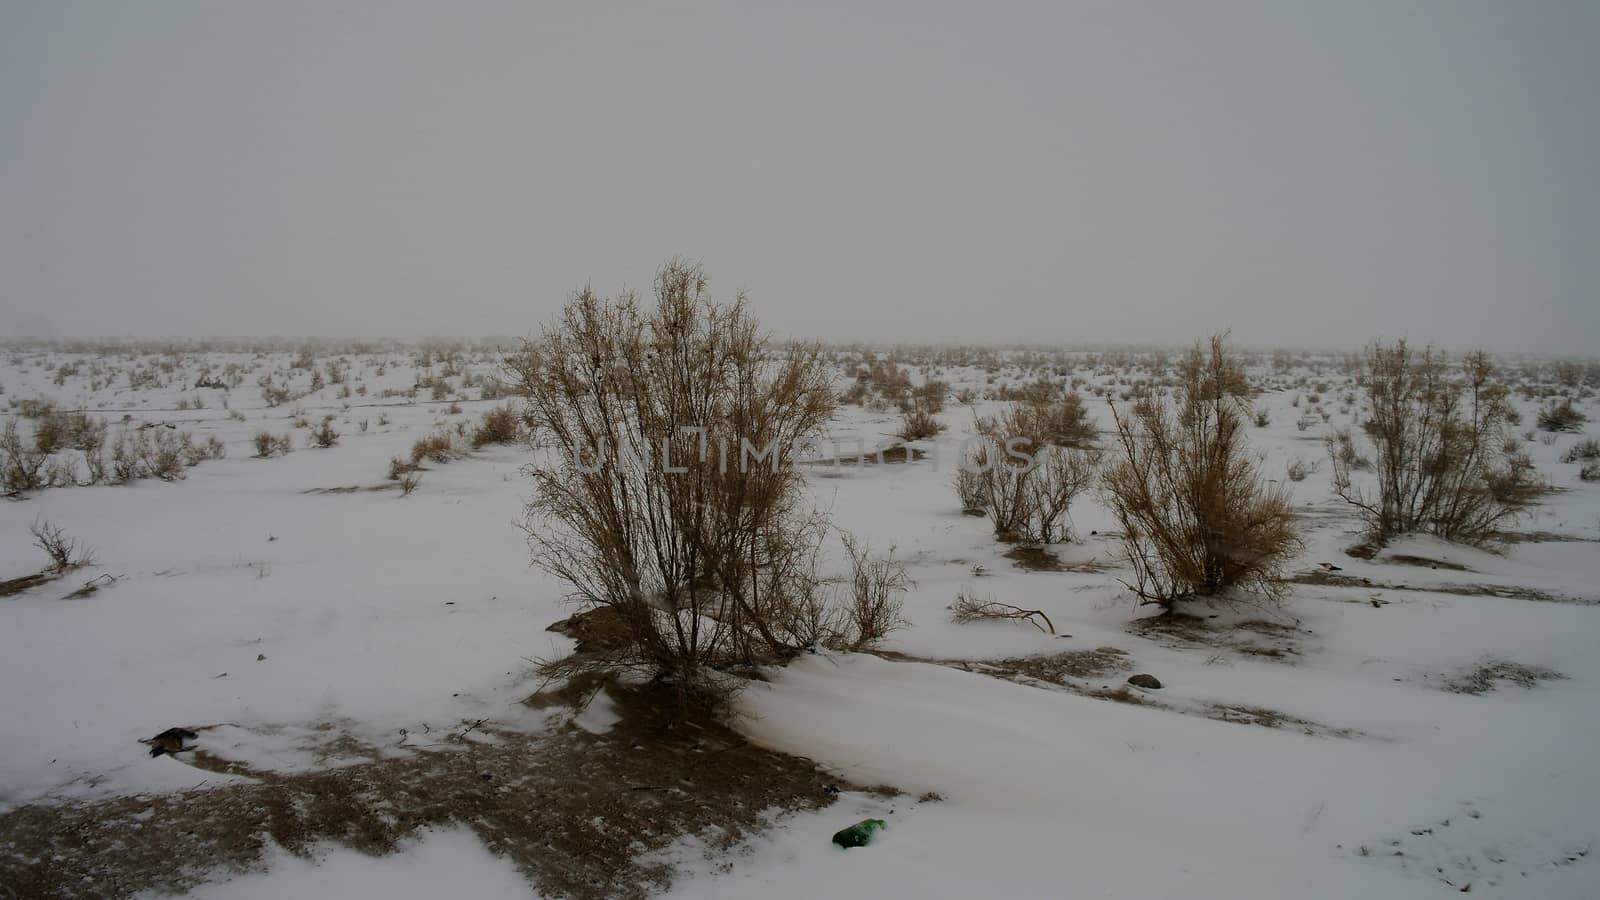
(1420, 722)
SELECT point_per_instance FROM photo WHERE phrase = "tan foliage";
(1197, 519)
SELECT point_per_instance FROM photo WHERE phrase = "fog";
(1304, 174)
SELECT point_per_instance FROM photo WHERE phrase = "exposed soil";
(1258, 638)
(1509, 592)
(1057, 668)
(596, 630)
(893, 454)
(1077, 670)
(1406, 559)
(1543, 537)
(1488, 675)
(1033, 558)
(576, 812)
(1270, 718)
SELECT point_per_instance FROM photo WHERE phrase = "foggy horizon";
(1095, 174)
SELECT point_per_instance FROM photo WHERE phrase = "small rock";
(1145, 681)
(261, 657)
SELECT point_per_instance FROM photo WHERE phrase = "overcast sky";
(1306, 174)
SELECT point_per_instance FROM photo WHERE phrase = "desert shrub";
(95, 461)
(34, 407)
(856, 393)
(971, 483)
(65, 552)
(158, 452)
(324, 436)
(493, 389)
(61, 472)
(1020, 479)
(1262, 418)
(75, 429)
(1299, 469)
(1561, 415)
(48, 435)
(1586, 449)
(1196, 517)
(1053, 418)
(163, 453)
(267, 444)
(273, 394)
(439, 447)
(20, 464)
(966, 396)
(702, 560)
(1590, 471)
(930, 396)
(875, 586)
(919, 423)
(500, 425)
(399, 468)
(1342, 446)
(1439, 443)
(409, 482)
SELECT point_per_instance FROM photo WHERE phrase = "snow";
(321, 629)
(439, 863)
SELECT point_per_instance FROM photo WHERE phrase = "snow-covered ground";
(1317, 752)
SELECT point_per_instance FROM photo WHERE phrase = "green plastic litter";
(860, 834)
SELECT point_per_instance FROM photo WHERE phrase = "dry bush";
(162, 455)
(972, 483)
(400, 468)
(930, 396)
(1586, 449)
(1590, 472)
(439, 447)
(698, 541)
(82, 432)
(1342, 446)
(875, 586)
(324, 436)
(1561, 415)
(273, 394)
(158, 452)
(21, 465)
(969, 608)
(409, 482)
(267, 444)
(918, 423)
(1299, 469)
(59, 472)
(1021, 479)
(213, 448)
(1196, 517)
(65, 552)
(500, 425)
(1061, 421)
(493, 389)
(34, 407)
(1439, 441)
